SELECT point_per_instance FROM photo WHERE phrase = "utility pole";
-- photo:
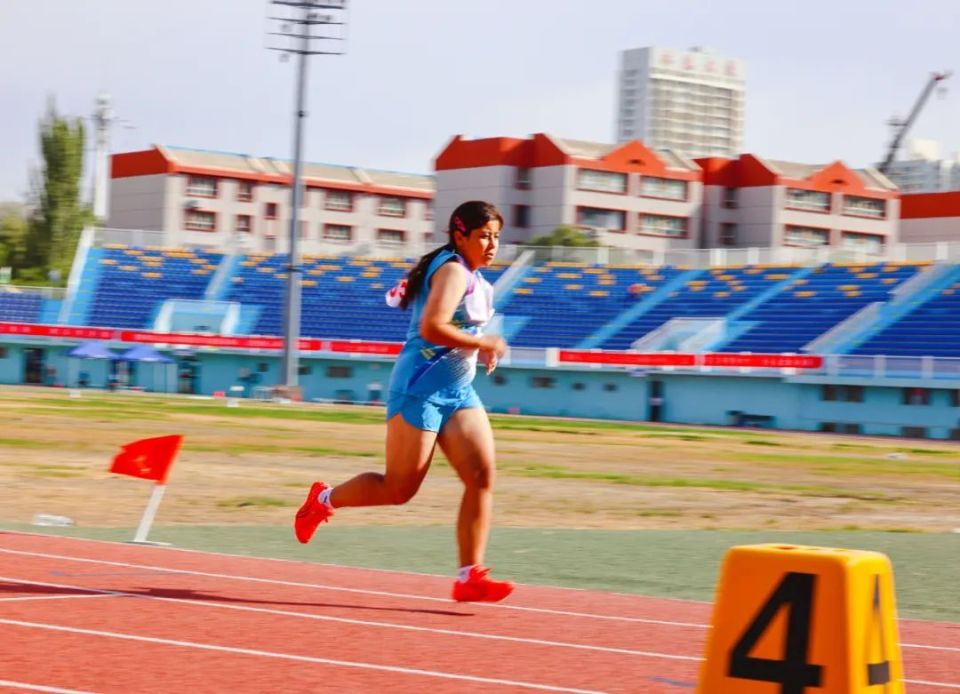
(102, 119)
(297, 22)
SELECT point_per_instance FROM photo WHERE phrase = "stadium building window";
(730, 198)
(521, 216)
(202, 186)
(805, 236)
(856, 241)
(392, 207)
(200, 220)
(610, 387)
(244, 224)
(391, 236)
(916, 396)
(270, 210)
(522, 179)
(864, 207)
(663, 225)
(337, 232)
(954, 397)
(427, 210)
(3, 352)
(728, 234)
(666, 188)
(598, 218)
(244, 191)
(828, 392)
(499, 380)
(339, 372)
(601, 181)
(263, 367)
(579, 386)
(543, 382)
(304, 370)
(914, 432)
(851, 428)
(828, 427)
(809, 200)
(338, 200)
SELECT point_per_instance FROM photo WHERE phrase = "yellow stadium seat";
(806, 294)
(532, 280)
(129, 268)
(573, 287)
(344, 278)
(598, 292)
(108, 261)
(152, 275)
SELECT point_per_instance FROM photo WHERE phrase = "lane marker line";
(361, 591)
(367, 569)
(934, 684)
(367, 623)
(40, 687)
(320, 586)
(50, 597)
(297, 658)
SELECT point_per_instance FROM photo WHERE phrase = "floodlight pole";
(303, 48)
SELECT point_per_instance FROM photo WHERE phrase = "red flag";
(148, 459)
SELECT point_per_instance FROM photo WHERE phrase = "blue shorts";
(431, 413)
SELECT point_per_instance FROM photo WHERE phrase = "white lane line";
(408, 596)
(39, 687)
(364, 622)
(49, 597)
(299, 584)
(934, 684)
(297, 658)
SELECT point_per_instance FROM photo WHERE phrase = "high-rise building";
(689, 101)
(924, 170)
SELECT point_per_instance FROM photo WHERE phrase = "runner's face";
(479, 247)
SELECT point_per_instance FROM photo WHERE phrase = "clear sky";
(823, 76)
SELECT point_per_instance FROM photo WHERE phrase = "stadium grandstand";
(739, 330)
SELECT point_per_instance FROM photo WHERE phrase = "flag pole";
(148, 515)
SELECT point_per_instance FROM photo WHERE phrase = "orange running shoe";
(479, 588)
(311, 514)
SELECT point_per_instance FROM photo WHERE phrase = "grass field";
(620, 506)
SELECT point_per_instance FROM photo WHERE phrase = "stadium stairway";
(628, 316)
(79, 310)
(811, 306)
(876, 317)
(928, 323)
(220, 283)
(711, 293)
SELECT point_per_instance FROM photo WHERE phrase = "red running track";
(89, 616)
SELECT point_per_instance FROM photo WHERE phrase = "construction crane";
(902, 126)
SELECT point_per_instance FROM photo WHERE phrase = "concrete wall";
(930, 229)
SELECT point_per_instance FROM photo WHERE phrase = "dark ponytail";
(467, 217)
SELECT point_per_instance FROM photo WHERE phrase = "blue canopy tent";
(147, 354)
(95, 351)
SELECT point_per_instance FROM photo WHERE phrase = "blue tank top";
(425, 369)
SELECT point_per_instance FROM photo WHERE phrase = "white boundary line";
(34, 598)
(298, 658)
(301, 562)
(363, 622)
(40, 687)
(934, 684)
(321, 586)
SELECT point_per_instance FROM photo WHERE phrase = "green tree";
(565, 236)
(13, 232)
(59, 215)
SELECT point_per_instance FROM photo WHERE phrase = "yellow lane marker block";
(790, 619)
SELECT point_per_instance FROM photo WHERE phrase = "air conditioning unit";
(191, 205)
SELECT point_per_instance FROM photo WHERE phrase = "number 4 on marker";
(877, 673)
(793, 673)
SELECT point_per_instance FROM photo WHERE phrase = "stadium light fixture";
(304, 28)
